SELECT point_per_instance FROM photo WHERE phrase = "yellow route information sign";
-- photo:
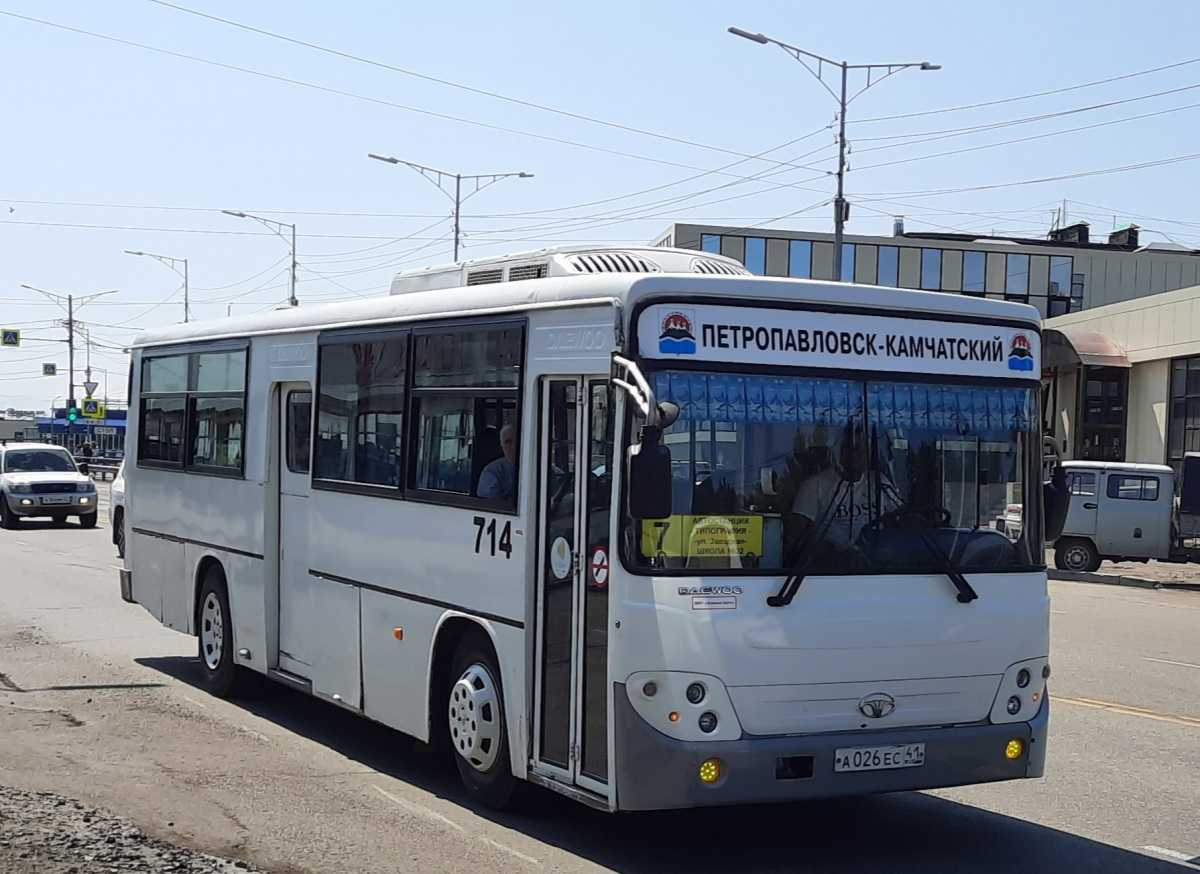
(706, 536)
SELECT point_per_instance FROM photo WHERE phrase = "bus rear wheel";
(475, 713)
(214, 629)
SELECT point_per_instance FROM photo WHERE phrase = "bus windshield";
(777, 474)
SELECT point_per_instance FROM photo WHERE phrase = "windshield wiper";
(794, 579)
(966, 594)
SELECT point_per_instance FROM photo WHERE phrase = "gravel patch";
(45, 833)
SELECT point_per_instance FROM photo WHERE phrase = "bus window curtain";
(725, 397)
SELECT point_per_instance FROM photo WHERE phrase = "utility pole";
(438, 176)
(840, 207)
(70, 299)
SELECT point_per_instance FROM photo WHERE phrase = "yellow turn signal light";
(710, 771)
(1014, 749)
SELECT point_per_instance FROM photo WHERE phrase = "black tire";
(88, 520)
(214, 632)
(119, 534)
(476, 727)
(8, 519)
(1076, 555)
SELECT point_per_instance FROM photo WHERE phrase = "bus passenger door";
(296, 599)
(575, 483)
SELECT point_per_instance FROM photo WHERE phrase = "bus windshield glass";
(779, 474)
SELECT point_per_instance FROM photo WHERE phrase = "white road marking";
(511, 851)
(1059, 612)
(426, 813)
(1168, 662)
(197, 703)
(417, 809)
(1170, 854)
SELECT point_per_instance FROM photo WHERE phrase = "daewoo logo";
(677, 337)
(710, 590)
(877, 705)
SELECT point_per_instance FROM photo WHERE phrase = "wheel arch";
(206, 563)
(450, 632)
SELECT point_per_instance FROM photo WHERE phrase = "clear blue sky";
(110, 146)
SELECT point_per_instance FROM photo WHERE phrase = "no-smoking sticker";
(600, 567)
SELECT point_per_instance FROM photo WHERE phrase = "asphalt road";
(99, 702)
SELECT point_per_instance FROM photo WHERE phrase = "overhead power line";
(1082, 175)
(375, 100)
(1023, 96)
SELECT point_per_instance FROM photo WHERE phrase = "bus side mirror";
(648, 467)
(1056, 500)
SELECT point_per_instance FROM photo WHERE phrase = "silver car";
(37, 479)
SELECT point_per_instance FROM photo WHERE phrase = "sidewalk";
(1148, 575)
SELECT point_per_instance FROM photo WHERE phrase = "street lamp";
(839, 202)
(70, 298)
(437, 176)
(277, 227)
(171, 262)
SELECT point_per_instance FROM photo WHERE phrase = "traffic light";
(72, 411)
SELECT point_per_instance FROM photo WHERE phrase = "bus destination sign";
(794, 338)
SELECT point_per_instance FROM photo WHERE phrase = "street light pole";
(437, 177)
(171, 262)
(276, 227)
(839, 201)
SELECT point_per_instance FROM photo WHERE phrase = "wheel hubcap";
(475, 718)
(212, 626)
(1077, 558)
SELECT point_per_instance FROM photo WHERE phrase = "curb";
(1118, 580)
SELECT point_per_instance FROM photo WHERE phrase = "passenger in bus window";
(499, 479)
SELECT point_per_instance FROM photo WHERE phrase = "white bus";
(631, 524)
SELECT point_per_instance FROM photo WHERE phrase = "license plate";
(57, 499)
(879, 758)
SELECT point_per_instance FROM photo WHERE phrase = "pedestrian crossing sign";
(49, 369)
(10, 337)
(93, 409)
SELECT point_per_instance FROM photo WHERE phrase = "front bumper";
(763, 769)
(52, 505)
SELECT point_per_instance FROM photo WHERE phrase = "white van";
(1118, 511)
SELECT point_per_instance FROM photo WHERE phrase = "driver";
(836, 502)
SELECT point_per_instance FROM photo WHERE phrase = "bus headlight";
(1023, 684)
(683, 705)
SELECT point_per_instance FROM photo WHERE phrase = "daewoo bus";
(630, 524)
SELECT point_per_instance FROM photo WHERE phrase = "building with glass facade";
(1064, 274)
(1122, 320)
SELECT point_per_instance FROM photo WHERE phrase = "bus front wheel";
(214, 628)
(476, 723)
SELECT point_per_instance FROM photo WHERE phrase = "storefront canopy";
(1067, 348)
